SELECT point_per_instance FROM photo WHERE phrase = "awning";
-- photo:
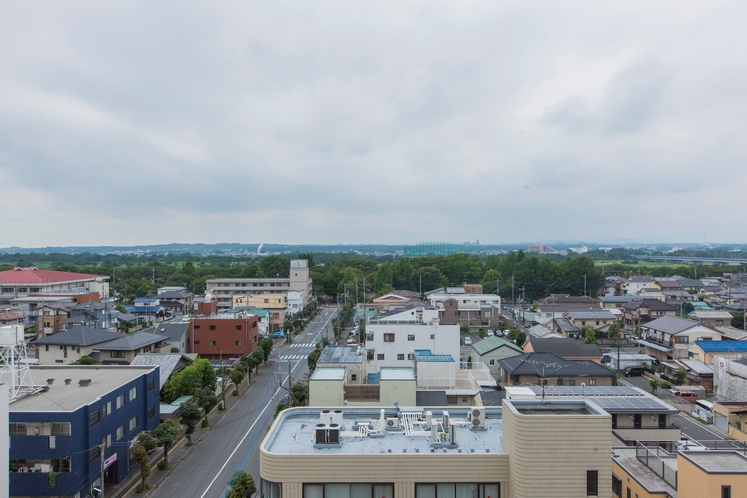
(655, 346)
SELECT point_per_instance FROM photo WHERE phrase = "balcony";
(630, 434)
(361, 392)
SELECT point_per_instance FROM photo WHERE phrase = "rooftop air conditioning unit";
(392, 423)
(477, 418)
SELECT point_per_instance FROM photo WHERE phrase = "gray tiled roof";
(132, 342)
(552, 365)
(79, 336)
(565, 347)
(592, 315)
(174, 331)
(670, 324)
(431, 398)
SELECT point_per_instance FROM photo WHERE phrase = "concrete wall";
(445, 341)
(550, 454)
(326, 393)
(401, 391)
(629, 483)
(694, 482)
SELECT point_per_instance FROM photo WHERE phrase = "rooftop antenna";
(14, 364)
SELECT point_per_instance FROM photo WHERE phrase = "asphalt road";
(233, 443)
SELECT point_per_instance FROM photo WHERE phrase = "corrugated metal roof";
(491, 343)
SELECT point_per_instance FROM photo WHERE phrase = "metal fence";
(658, 460)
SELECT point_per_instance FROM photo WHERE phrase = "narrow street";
(233, 443)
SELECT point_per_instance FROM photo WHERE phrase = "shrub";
(204, 423)
(163, 465)
(235, 392)
(665, 384)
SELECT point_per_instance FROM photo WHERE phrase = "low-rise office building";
(527, 449)
(224, 335)
(80, 412)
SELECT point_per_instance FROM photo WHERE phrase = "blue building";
(62, 429)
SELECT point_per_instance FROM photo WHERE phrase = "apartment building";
(395, 344)
(276, 304)
(23, 282)
(224, 335)
(223, 289)
(526, 449)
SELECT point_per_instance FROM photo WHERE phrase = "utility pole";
(584, 284)
(101, 458)
(153, 278)
(356, 290)
(421, 285)
(290, 385)
(513, 300)
(223, 381)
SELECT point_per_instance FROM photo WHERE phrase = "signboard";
(721, 367)
(110, 461)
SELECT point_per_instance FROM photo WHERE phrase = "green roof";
(493, 342)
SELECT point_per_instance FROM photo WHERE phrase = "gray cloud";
(383, 122)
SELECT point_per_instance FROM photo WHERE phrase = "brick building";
(224, 334)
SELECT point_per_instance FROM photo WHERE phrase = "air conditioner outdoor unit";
(392, 423)
(477, 418)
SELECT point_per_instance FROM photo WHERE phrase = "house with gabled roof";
(712, 318)
(71, 345)
(595, 319)
(124, 349)
(566, 348)
(640, 311)
(176, 335)
(668, 337)
(492, 349)
(550, 369)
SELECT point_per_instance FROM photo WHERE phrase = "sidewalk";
(179, 451)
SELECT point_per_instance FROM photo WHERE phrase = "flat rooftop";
(341, 354)
(329, 373)
(626, 457)
(61, 397)
(293, 432)
(394, 373)
(718, 462)
(613, 399)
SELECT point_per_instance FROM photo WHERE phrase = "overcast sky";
(141, 122)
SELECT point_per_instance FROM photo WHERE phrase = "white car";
(467, 341)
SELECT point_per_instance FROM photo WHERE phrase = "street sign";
(110, 461)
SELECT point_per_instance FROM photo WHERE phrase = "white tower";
(14, 366)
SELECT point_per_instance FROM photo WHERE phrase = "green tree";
(120, 307)
(737, 320)
(190, 415)
(654, 385)
(166, 433)
(207, 400)
(250, 361)
(490, 281)
(431, 276)
(679, 376)
(517, 336)
(237, 374)
(85, 360)
(383, 279)
(402, 272)
(591, 335)
(139, 455)
(241, 485)
(314, 357)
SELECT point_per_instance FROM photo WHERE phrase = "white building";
(295, 301)
(637, 283)
(4, 440)
(394, 345)
(462, 299)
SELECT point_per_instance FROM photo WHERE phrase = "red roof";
(33, 275)
(6, 317)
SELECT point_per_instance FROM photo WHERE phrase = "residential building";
(731, 417)
(636, 415)
(637, 282)
(81, 412)
(51, 316)
(23, 282)
(176, 301)
(667, 338)
(550, 369)
(492, 349)
(547, 312)
(71, 345)
(396, 297)
(330, 387)
(223, 289)
(7, 318)
(295, 302)
(224, 335)
(92, 314)
(566, 348)
(652, 472)
(351, 358)
(614, 302)
(469, 314)
(541, 331)
(275, 303)
(492, 300)
(708, 350)
(568, 299)
(167, 363)
(435, 453)
(711, 318)
(409, 312)
(641, 311)
(176, 334)
(594, 319)
(124, 349)
(542, 249)
(394, 345)
(698, 373)
(667, 284)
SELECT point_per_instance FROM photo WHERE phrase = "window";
(400, 356)
(238, 343)
(94, 453)
(592, 382)
(614, 420)
(617, 486)
(133, 423)
(212, 327)
(459, 490)
(388, 337)
(120, 432)
(106, 410)
(116, 354)
(411, 337)
(347, 491)
(151, 412)
(60, 428)
(212, 343)
(637, 421)
(353, 377)
(433, 336)
(197, 327)
(411, 356)
(18, 428)
(197, 343)
(120, 401)
(570, 383)
(725, 491)
(380, 357)
(491, 362)
(151, 384)
(133, 393)
(238, 327)
(271, 489)
(592, 483)
(107, 441)
(46, 348)
(94, 419)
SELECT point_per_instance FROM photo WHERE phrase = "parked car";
(499, 333)
(467, 341)
(685, 395)
(278, 335)
(606, 358)
(636, 371)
